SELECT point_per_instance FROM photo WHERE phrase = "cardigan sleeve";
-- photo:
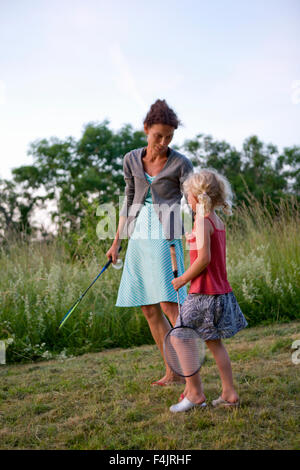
(186, 169)
(129, 189)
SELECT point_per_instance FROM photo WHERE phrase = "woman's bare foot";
(169, 379)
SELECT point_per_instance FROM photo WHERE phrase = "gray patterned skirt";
(214, 316)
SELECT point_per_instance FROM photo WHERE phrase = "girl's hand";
(190, 236)
(178, 282)
(191, 240)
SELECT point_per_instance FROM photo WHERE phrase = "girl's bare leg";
(194, 389)
(224, 365)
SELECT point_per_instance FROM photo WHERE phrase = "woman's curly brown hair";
(161, 113)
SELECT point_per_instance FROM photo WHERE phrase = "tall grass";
(40, 281)
(263, 260)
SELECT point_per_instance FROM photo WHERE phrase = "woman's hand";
(178, 282)
(113, 253)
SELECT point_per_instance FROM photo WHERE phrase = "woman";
(151, 217)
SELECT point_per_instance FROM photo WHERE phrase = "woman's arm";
(129, 195)
(129, 189)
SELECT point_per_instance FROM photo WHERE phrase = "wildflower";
(290, 289)
(90, 319)
(47, 355)
(277, 287)
(248, 290)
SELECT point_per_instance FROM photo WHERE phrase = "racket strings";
(184, 351)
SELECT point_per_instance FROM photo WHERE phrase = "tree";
(256, 169)
(71, 170)
(291, 159)
(15, 210)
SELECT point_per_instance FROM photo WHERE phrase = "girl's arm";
(203, 231)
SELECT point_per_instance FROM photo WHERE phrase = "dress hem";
(150, 303)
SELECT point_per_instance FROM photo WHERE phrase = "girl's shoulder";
(207, 224)
(213, 222)
(217, 223)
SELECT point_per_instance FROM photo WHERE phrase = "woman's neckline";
(169, 151)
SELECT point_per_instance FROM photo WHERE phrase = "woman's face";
(159, 137)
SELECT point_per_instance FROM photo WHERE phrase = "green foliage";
(84, 242)
(16, 207)
(73, 171)
(258, 169)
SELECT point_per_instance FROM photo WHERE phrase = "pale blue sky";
(227, 68)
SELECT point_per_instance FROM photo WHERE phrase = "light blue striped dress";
(147, 271)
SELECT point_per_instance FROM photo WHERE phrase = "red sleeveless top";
(213, 279)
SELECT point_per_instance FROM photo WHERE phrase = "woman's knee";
(152, 312)
(171, 310)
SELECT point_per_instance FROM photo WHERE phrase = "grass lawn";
(105, 401)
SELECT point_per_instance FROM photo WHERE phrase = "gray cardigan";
(166, 190)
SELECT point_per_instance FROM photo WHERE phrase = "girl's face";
(192, 201)
(159, 137)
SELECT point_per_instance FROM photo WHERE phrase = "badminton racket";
(71, 310)
(184, 349)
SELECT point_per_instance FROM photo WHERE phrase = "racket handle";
(173, 260)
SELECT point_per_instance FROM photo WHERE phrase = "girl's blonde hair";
(211, 189)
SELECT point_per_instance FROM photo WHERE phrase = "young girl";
(211, 305)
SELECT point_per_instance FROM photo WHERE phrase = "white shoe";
(185, 405)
